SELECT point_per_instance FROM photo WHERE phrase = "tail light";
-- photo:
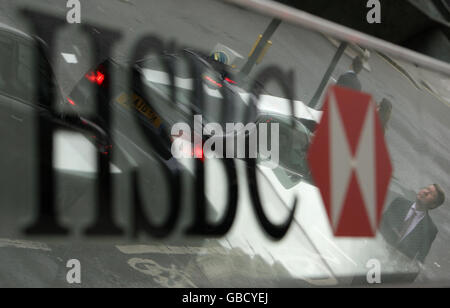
(230, 81)
(96, 77)
(212, 81)
(70, 101)
(198, 153)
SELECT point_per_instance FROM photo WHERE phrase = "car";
(20, 112)
(225, 101)
(18, 87)
(294, 141)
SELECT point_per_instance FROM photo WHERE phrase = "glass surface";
(413, 109)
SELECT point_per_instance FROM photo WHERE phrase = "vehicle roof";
(7, 28)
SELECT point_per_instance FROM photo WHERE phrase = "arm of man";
(425, 249)
(392, 217)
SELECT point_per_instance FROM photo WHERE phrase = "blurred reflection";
(408, 226)
(384, 109)
(413, 104)
(350, 79)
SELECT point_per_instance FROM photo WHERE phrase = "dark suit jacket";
(417, 243)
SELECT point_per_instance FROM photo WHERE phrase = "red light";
(91, 77)
(100, 78)
(71, 101)
(213, 81)
(97, 77)
(230, 81)
(198, 151)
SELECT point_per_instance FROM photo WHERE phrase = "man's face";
(427, 197)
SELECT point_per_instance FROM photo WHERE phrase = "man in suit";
(407, 226)
(350, 79)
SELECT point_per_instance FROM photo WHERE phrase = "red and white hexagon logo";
(350, 163)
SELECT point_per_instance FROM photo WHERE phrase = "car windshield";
(17, 77)
(155, 76)
(6, 54)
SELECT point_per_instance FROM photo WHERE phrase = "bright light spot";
(70, 58)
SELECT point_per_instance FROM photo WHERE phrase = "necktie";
(406, 224)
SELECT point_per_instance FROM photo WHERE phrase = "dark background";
(420, 25)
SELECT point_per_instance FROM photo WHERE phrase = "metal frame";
(309, 21)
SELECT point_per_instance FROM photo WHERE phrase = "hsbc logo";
(350, 163)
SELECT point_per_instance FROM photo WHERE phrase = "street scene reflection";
(142, 204)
